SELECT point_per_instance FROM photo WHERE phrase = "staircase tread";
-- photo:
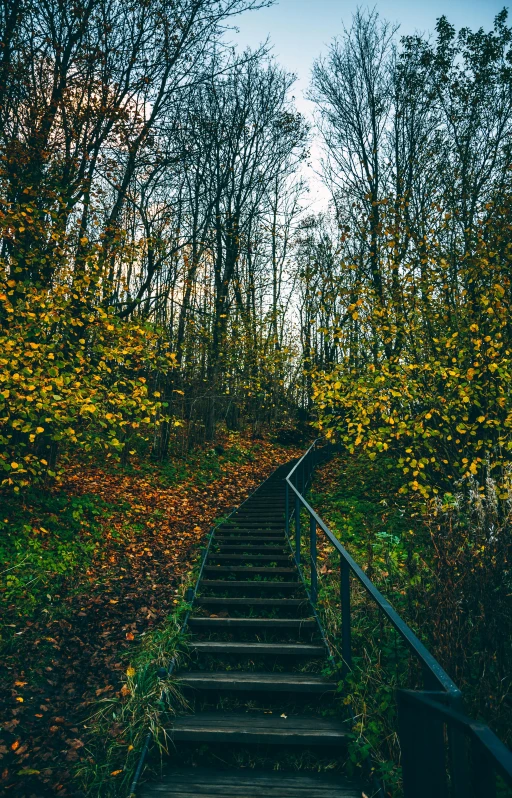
(240, 721)
(261, 648)
(192, 782)
(263, 602)
(251, 678)
(251, 583)
(229, 540)
(250, 547)
(250, 569)
(293, 623)
(251, 556)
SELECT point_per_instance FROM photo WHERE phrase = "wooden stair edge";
(244, 727)
(257, 680)
(249, 783)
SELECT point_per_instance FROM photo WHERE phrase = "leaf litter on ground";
(59, 660)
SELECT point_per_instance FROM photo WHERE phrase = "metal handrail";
(433, 672)
(422, 738)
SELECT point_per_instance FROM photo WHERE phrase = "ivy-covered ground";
(89, 570)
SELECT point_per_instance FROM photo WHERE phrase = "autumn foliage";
(73, 377)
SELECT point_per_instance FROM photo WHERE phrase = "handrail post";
(346, 647)
(287, 508)
(312, 543)
(297, 529)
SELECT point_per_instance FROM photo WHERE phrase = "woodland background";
(164, 289)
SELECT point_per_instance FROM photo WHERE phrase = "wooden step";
(242, 523)
(253, 526)
(248, 783)
(243, 539)
(265, 502)
(249, 534)
(251, 549)
(259, 682)
(250, 557)
(238, 601)
(248, 728)
(251, 583)
(253, 623)
(248, 569)
(274, 649)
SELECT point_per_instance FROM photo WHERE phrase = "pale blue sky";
(301, 29)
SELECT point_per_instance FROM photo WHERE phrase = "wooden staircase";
(255, 686)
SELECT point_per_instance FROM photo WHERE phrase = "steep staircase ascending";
(257, 695)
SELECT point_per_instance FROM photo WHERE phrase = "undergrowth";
(445, 568)
(46, 538)
(120, 724)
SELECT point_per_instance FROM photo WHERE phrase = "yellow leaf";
(39, 430)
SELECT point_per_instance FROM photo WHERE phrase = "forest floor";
(98, 564)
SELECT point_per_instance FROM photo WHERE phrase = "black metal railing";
(444, 753)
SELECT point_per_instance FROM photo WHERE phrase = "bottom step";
(205, 783)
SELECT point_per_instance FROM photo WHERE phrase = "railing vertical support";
(484, 777)
(297, 529)
(287, 508)
(346, 646)
(423, 752)
(314, 576)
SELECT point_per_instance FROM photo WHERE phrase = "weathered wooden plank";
(251, 729)
(231, 540)
(276, 649)
(250, 623)
(257, 681)
(251, 787)
(237, 601)
(251, 583)
(251, 548)
(243, 569)
(242, 523)
(251, 557)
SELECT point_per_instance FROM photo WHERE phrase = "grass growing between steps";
(109, 552)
